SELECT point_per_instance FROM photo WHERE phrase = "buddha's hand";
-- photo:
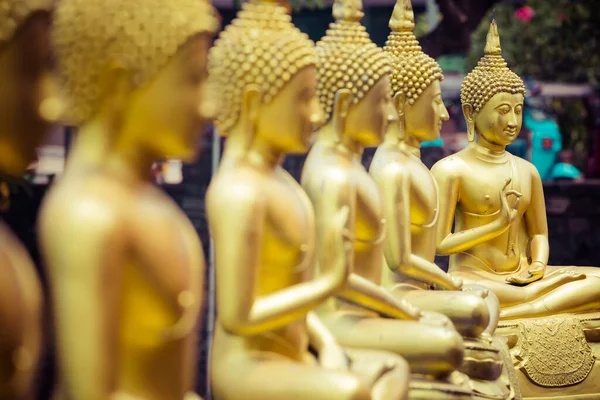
(534, 273)
(338, 245)
(509, 210)
(413, 313)
(333, 357)
(451, 283)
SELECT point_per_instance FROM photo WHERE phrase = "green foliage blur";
(553, 41)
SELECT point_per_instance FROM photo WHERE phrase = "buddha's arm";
(449, 242)
(237, 224)
(336, 195)
(331, 355)
(536, 223)
(83, 246)
(395, 190)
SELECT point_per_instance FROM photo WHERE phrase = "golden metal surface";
(263, 227)
(364, 314)
(500, 239)
(124, 262)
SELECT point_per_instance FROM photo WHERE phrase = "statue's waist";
(492, 262)
(291, 341)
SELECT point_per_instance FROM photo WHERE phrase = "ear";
(341, 104)
(52, 105)
(470, 118)
(250, 111)
(399, 101)
(468, 112)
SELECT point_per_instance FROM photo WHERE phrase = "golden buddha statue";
(24, 96)
(354, 91)
(125, 264)
(500, 238)
(409, 193)
(262, 225)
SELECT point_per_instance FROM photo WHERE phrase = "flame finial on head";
(348, 10)
(492, 42)
(403, 17)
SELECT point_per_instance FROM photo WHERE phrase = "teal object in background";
(546, 141)
(564, 171)
(434, 143)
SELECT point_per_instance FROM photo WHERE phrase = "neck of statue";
(262, 154)
(328, 135)
(495, 148)
(89, 146)
(394, 134)
(412, 145)
(236, 143)
(130, 162)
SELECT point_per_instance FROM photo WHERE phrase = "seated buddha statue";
(24, 116)
(268, 342)
(125, 264)
(496, 201)
(354, 91)
(410, 202)
(500, 240)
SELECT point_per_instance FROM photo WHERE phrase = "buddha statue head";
(492, 96)
(137, 70)
(264, 69)
(353, 78)
(416, 78)
(25, 95)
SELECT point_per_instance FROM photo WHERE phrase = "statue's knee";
(480, 312)
(454, 349)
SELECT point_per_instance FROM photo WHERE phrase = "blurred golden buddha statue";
(410, 205)
(354, 91)
(125, 264)
(500, 238)
(25, 113)
(263, 229)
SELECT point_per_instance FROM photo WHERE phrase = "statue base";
(555, 357)
(489, 370)
(455, 387)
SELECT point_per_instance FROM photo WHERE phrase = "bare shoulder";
(233, 188)
(450, 167)
(95, 205)
(525, 166)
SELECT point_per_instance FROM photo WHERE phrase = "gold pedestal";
(488, 370)
(455, 387)
(555, 357)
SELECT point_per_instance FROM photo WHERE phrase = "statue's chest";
(368, 212)
(480, 192)
(423, 195)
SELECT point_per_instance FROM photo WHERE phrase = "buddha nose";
(512, 121)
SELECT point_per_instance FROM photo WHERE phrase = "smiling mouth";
(510, 132)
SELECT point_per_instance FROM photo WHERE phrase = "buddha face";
(165, 118)
(24, 85)
(367, 120)
(500, 119)
(287, 121)
(423, 119)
